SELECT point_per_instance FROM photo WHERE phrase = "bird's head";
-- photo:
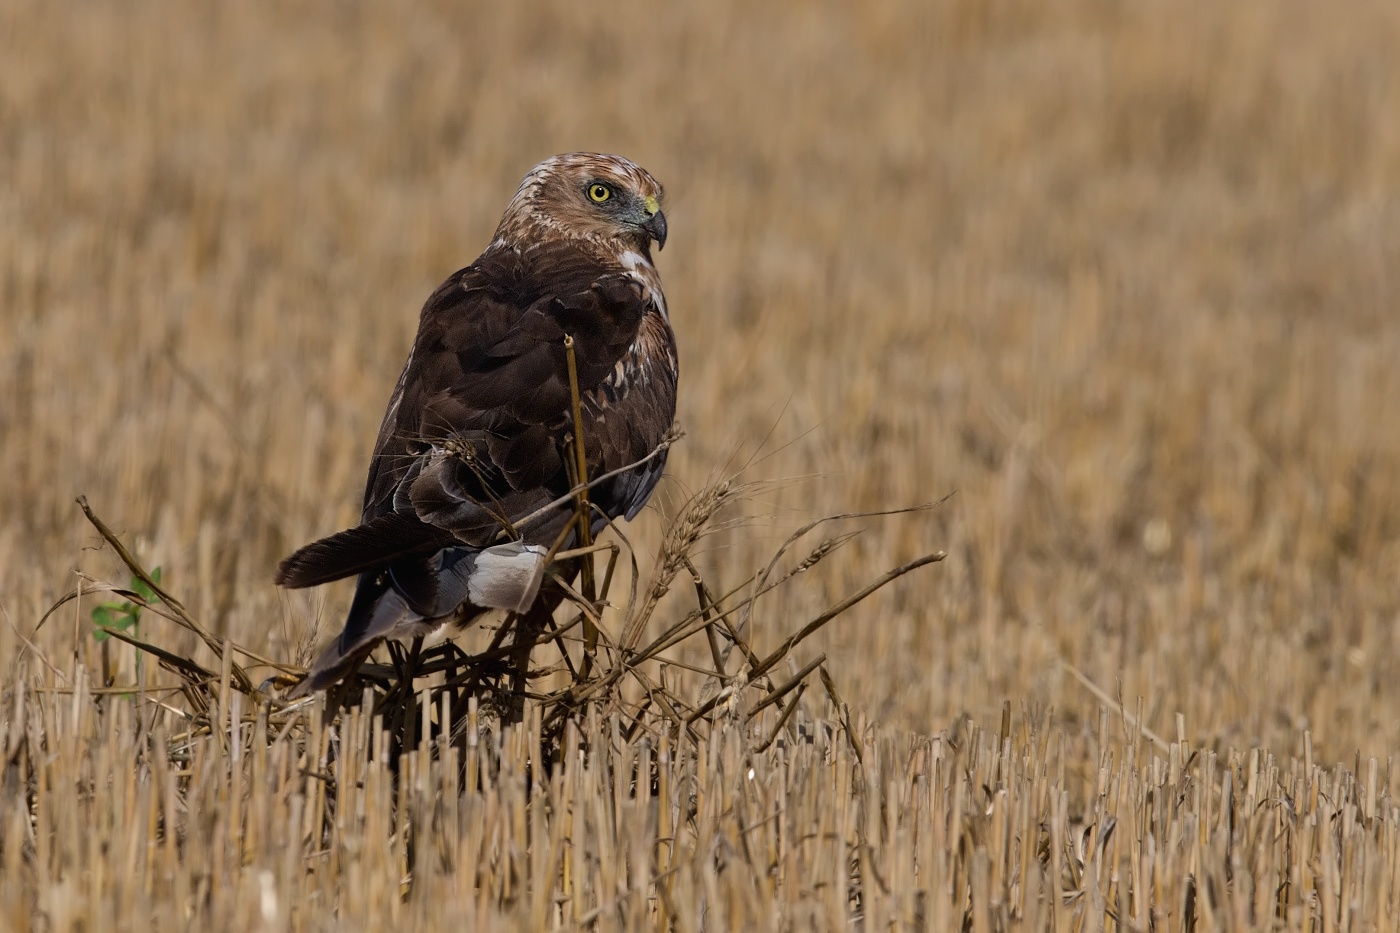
(603, 198)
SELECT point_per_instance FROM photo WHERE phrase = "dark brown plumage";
(474, 440)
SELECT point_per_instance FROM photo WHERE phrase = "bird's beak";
(655, 227)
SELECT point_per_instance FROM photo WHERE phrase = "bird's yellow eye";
(599, 193)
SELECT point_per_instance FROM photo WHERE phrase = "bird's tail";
(414, 597)
(379, 610)
(381, 542)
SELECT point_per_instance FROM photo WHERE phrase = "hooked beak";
(655, 227)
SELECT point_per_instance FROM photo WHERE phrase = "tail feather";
(377, 544)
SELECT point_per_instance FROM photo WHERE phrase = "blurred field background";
(1122, 277)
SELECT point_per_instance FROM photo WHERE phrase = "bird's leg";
(415, 658)
(407, 665)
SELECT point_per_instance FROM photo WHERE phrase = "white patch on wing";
(633, 261)
(507, 576)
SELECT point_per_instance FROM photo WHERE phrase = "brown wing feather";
(488, 368)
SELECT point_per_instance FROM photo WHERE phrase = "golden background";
(1122, 277)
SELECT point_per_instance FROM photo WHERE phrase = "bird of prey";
(468, 486)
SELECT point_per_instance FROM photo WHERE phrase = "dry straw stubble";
(1116, 274)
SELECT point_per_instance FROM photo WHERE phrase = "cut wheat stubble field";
(1118, 278)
